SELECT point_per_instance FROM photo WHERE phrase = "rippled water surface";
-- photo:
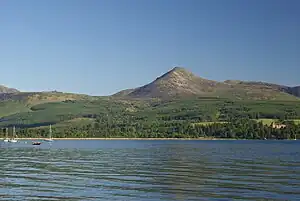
(150, 170)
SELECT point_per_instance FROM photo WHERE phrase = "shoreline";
(120, 138)
(204, 138)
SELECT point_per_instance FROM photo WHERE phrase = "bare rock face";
(6, 90)
(179, 82)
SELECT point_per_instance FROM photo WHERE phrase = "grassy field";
(267, 121)
(264, 121)
(297, 121)
(270, 121)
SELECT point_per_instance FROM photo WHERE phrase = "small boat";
(13, 137)
(36, 143)
(50, 136)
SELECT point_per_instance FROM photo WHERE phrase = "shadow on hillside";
(30, 125)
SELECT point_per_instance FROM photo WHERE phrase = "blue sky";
(99, 47)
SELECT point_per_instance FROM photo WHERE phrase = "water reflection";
(150, 170)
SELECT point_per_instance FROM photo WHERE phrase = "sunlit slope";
(58, 112)
(180, 83)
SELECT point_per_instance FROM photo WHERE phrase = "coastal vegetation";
(101, 128)
(190, 118)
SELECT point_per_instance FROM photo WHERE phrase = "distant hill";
(13, 103)
(294, 91)
(180, 83)
(6, 90)
(42, 97)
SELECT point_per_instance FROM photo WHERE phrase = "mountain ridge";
(179, 82)
(7, 90)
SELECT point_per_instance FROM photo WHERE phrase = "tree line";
(237, 129)
(171, 120)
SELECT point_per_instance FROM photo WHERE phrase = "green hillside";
(55, 112)
(193, 110)
(22, 102)
(12, 107)
(153, 118)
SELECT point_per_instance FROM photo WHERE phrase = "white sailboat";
(13, 137)
(50, 136)
(6, 135)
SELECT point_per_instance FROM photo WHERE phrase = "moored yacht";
(6, 135)
(13, 139)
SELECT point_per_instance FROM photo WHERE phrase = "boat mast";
(14, 132)
(50, 132)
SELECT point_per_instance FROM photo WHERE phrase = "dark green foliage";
(155, 119)
(105, 128)
(61, 111)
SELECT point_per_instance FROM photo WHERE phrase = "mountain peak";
(176, 73)
(179, 82)
(176, 82)
(181, 70)
(177, 68)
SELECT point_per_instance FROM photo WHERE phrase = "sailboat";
(13, 137)
(50, 135)
(6, 135)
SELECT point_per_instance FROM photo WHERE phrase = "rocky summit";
(6, 90)
(179, 82)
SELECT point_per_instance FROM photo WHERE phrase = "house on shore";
(278, 126)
